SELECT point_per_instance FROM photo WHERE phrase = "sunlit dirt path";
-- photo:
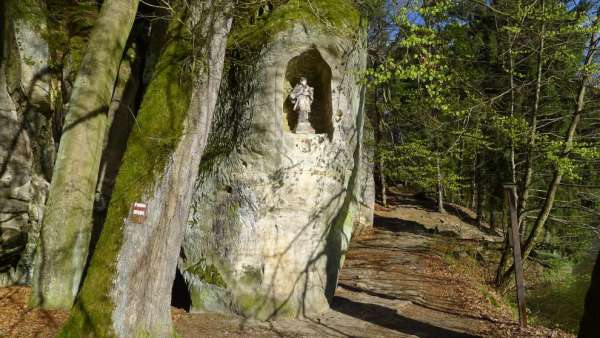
(386, 289)
(396, 282)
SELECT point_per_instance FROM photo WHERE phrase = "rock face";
(365, 193)
(273, 212)
(26, 145)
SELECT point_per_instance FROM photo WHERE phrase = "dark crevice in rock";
(180, 295)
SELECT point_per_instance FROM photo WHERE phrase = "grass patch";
(558, 299)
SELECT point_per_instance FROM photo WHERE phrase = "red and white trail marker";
(138, 212)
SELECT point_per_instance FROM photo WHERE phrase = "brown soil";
(399, 280)
(17, 319)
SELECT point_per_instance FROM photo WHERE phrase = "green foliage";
(428, 98)
(559, 297)
(453, 92)
(31, 11)
(419, 165)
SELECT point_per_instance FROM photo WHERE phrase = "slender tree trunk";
(505, 257)
(480, 192)
(380, 165)
(528, 173)
(127, 291)
(474, 184)
(505, 253)
(513, 166)
(382, 182)
(440, 186)
(67, 224)
(544, 213)
(528, 177)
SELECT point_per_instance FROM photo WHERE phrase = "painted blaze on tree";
(138, 212)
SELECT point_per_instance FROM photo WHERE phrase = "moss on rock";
(252, 275)
(32, 11)
(69, 26)
(250, 33)
(207, 273)
(259, 306)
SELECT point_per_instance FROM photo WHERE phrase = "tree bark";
(474, 182)
(67, 224)
(440, 187)
(380, 165)
(127, 292)
(588, 327)
(528, 177)
(480, 193)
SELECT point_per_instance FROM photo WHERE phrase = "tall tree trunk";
(67, 224)
(440, 186)
(528, 177)
(480, 193)
(127, 291)
(505, 257)
(477, 189)
(474, 182)
(513, 166)
(380, 163)
(544, 213)
(382, 181)
(531, 140)
(591, 315)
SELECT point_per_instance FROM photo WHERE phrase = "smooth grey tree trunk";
(127, 291)
(440, 186)
(66, 228)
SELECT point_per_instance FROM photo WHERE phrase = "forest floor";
(416, 273)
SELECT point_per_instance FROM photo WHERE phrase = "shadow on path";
(394, 224)
(389, 318)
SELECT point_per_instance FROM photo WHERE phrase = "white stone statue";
(302, 97)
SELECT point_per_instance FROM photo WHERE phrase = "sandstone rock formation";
(273, 212)
(26, 144)
(366, 184)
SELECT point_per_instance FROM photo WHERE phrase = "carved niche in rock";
(308, 73)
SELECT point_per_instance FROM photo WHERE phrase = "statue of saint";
(302, 98)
